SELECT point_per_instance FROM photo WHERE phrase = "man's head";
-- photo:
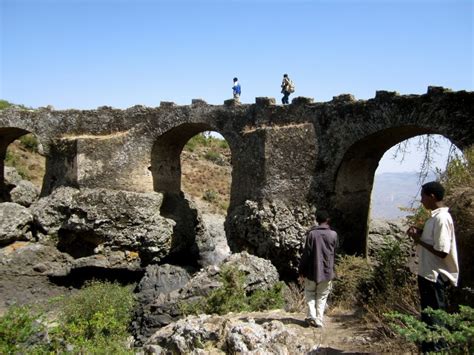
(235, 79)
(432, 193)
(285, 75)
(322, 217)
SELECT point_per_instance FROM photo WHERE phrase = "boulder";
(230, 335)
(11, 176)
(25, 268)
(15, 223)
(272, 231)
(166, 308)
(382, 232)
(212, 244)
(24, 193)
(98, 221)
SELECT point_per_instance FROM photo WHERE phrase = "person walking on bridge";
(236, 90)
(287, 88)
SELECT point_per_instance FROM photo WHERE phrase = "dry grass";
(206, 171)
(30, 165)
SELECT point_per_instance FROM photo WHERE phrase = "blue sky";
(90, 53)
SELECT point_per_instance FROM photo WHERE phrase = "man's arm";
(417, 239)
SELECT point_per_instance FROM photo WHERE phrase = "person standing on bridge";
(437, 257)
(287, 88)
(236, 90)
(317, 267)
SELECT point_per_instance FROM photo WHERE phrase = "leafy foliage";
(232, 297)
(4, 104)
(459, 171)
(19, 327)
(210, 195)
(29, 142)
(92, 321)
(351, 273)
(456, 329)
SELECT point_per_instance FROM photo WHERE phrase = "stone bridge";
(287, 161)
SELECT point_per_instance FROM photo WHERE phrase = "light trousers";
(316, 296)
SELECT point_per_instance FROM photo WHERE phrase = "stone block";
(343, 98)
(198, 102)
(265, 101)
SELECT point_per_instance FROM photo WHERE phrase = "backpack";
(291, 86)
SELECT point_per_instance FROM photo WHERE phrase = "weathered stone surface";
(24, 193)
(11, 176)
(322, 155)
(86, 219)
(212, 244)
(272, 231)
(24, 271)
(165, 307)
(228, 335)
(15, 223)
(382, 232)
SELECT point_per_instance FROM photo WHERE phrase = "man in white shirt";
(437, 255)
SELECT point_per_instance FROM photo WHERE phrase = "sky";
(120, 53)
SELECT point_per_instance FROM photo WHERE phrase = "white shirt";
(439, 232)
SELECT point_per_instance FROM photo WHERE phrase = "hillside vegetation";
(205, 163)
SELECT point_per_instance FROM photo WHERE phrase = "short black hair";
(235, 79)
(322, 216)
(433, 188)
(285, 75)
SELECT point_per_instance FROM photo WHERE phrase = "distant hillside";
(392, 191)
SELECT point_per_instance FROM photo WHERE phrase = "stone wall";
(287, 161)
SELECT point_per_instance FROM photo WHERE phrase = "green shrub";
(223, 144)
(231, 296)
(196, 141)
(4, 104)
(97, 315)
(29, 142)
(92, 321)
(457, 329)
(19, 329)
(213, 157)
(459, 171)
(351, 273)
(210, 195)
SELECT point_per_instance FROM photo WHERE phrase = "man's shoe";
(312, 322)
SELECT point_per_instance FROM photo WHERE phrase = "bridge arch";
(355, 178)
(7, 136)
(166, 152)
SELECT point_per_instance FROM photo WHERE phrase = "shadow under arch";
(7, 136)
(354, 182)
(166, 173)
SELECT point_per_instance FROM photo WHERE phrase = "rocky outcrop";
(272, 231)
(97, 221)
(212, 245)
(228, 335)
(161, 304)
(25, 268)
(15, 223)
(383, 232)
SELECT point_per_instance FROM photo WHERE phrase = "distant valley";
(394, 190)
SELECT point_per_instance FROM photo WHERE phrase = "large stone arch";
(354, 182)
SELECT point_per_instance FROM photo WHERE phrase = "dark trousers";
(432, 294)
(285, 97)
